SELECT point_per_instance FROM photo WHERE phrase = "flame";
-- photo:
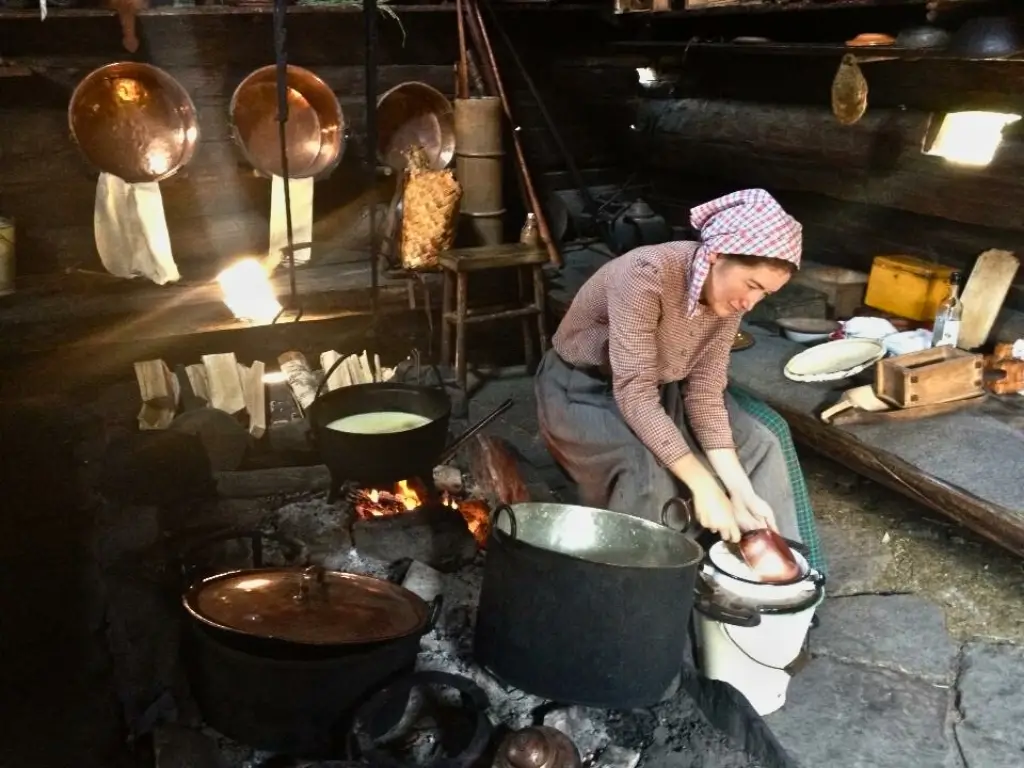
(409, 495)
(248, 292)
(477, 515)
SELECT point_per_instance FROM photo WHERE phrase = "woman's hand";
(716, 512)
(753, 513)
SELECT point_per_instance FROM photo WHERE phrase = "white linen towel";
(131, 230)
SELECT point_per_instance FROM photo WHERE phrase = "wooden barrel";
(479, 160)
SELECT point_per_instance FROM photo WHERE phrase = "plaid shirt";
(632, 316)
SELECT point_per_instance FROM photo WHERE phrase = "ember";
(410, 495)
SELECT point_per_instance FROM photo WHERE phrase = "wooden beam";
(877, 160)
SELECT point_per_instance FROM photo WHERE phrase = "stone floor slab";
(840, 715)
(855, 564)
(981, 751)
(992, 691)
(903, 633)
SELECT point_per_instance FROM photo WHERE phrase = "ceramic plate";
(834, 360)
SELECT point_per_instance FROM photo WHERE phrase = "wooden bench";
(965, 465)
(458, 264)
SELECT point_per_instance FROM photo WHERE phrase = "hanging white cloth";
(301, 193)
(131, 230)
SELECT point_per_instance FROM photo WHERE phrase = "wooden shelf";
(790, 7)
(231, 10)
(863, 53)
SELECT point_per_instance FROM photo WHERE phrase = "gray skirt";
(586, 433)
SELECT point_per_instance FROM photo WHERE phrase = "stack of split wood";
(219, 381)
(303, 380)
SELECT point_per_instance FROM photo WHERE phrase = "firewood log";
(495, 469)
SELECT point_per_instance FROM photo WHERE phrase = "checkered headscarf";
(749, 222)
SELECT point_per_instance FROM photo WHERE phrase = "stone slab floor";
(919, 659)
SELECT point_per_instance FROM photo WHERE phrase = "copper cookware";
(134, 121)
(539, 746)
(415, 114)
(769, 556)
(315, 131)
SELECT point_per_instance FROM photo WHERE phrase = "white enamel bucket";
(749, 634)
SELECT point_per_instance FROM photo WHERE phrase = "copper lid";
(310, 606)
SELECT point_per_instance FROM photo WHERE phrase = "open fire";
(409, 495)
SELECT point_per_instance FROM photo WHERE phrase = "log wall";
(217, 208)
(736, 118)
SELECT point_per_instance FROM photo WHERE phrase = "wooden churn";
(479, 157)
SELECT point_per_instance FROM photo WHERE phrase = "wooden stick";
(301, 379)
(224, 383)
(255, 398)
(339, 376)
(197, 378)
(524, 171)
(159, 391)
(462, 81)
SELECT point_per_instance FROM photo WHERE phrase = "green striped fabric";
(804, 514)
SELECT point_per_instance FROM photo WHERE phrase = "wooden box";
(907, 287)
(937, 375)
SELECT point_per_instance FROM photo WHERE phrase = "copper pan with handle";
(134, 120)
(315, 131)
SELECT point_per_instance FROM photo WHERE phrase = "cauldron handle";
(294, 549)
(360, 741)
(512, 524)
(416, 358)
(327, 375)
(685, 506)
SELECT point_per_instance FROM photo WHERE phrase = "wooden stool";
(456, 266)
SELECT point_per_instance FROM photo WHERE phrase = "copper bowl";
(415, 114)
(769, 556)
(134, 121)
(314, 132)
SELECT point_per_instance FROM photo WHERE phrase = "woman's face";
(734, 287)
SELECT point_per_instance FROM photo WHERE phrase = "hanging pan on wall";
(315, 130)
(134, 121)
(415, 114)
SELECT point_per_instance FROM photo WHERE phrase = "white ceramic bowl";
(807, 330)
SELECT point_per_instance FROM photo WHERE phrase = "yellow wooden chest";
(906, 286)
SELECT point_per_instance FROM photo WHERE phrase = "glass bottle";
(530, 234)
(946, 331)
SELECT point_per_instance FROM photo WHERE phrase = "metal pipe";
(542, 225)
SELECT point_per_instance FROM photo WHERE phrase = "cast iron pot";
(279, 658)
(383, 458)
(586, 606)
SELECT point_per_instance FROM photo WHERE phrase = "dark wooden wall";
(217, 208)
(733, 117)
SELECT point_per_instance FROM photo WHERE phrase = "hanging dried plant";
(849, 92)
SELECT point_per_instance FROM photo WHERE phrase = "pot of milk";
(377, 434)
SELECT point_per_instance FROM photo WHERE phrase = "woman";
(635, 381)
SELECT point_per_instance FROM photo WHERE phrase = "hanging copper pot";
(315, 130)
(411, 115)
(134, 121)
